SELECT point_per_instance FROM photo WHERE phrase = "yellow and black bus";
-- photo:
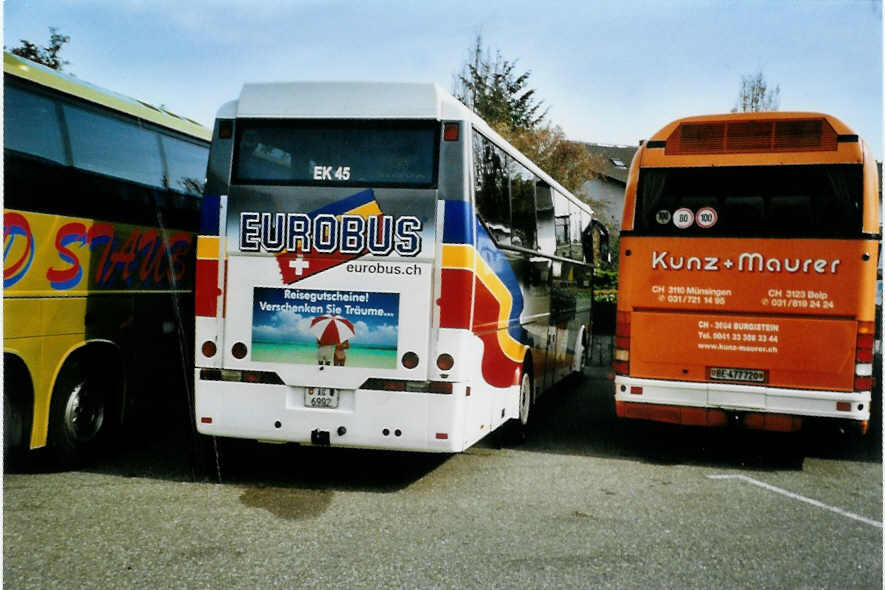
(101, 203)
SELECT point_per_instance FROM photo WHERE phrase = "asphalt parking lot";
(586, 502)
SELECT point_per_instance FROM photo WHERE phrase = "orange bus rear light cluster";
(863, 357)
(621, 361)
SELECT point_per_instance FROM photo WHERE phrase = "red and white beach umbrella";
(331, 329)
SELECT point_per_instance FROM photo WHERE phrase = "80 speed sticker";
(683, 218)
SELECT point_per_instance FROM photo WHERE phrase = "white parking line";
(772, 488)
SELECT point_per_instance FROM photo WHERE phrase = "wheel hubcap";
(525, 399)
(84, 414)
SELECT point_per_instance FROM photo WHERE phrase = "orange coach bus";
(748, 259)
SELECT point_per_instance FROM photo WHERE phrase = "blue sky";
(612, 71)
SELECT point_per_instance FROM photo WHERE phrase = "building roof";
(615, 159)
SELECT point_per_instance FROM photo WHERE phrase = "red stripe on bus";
(454, 304)
(498, 369)
(206, 290)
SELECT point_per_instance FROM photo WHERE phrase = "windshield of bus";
(801, 201)
(380, 153)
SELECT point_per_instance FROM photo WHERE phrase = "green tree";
(491, 86)
(756, 95)
(48, 56)
(568, 162)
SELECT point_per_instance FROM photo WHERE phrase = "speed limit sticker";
(706, 217)
(683, 218)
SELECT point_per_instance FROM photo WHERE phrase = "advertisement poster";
(325, 327)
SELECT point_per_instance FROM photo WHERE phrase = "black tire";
(13, 431)
(515, 431)
(81, 415)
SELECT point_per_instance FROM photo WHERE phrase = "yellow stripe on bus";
(459, 256)
(207, 247)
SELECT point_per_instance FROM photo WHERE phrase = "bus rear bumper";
(393, 420)
(712, 404)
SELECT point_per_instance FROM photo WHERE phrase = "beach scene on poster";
(325, 327)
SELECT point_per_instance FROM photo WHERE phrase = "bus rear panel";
(347, 292)
(747, 275)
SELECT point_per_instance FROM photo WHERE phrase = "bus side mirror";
(596, 244)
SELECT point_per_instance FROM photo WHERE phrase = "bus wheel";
(514, 432)
(525, 398)
(79, 415)
(13, 431)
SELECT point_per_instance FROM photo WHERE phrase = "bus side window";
(544, 205)
(576, 227)
(35, 128)
(492, 188)
(561, 223)
(522, 202)
(107, 145)
(186, 165)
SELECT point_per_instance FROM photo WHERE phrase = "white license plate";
(729, 374)
(320, 397)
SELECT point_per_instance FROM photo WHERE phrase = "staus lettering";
(61, 279)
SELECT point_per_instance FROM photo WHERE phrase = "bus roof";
(348, 100)
(67, 84)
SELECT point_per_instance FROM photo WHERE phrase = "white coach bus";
(378, 268)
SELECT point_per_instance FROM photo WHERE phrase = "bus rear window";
(385, 153)
(810, 201)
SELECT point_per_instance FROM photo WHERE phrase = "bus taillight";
(863, 357)
(621, 362)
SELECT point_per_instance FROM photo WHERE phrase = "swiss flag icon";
(298, 265)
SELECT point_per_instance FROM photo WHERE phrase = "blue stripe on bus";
(210, 207)
(458, 224)
(343, 206)
(500, 265)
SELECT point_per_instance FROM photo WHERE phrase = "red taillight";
(622, 324)
(445, 362)
(442, 435)
(239, 350)
(621, 367)
(636, 390)
(410, 360)
(864, 352)
(450, 132)
(863, 356)
(206, 420)
(209, 349)
(621, 361)
(863, 383)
